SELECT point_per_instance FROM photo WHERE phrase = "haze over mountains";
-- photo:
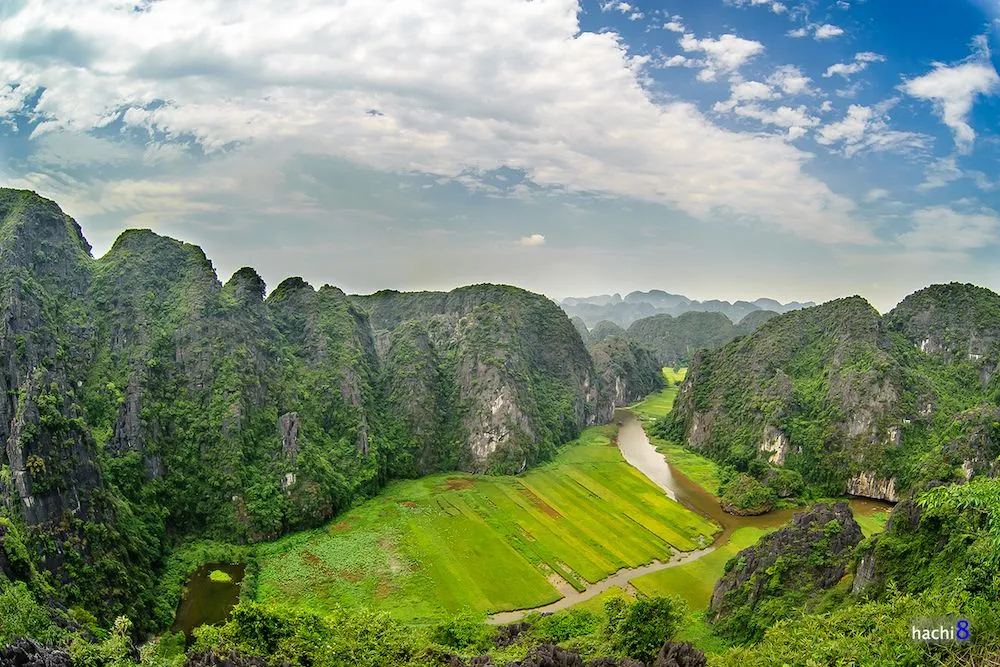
(637, 305)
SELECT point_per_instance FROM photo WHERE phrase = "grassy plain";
(429, 548)
(694, 581)
(658, 404)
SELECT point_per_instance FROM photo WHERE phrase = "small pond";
(208, 599)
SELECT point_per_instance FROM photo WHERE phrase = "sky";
(732, 149)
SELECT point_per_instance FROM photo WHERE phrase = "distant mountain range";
(639, 305)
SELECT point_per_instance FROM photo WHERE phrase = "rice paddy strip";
(694, 581)
(430, 548)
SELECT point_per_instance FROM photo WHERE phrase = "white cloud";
(776, 7)
(940, 173)
(751, 90)
(787, 117)
(675, 26)
(614, 5)
(818, 31)
(866, 128)
(827, 31)
(533, 240)
(677, 61)
(727, 53)
(876, 194)
(944, 228)
(519, 84)
(790, 80)
(860, 64)
(954, 89)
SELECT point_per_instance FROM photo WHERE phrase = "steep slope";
(514, 363)
(628, 371)
(605, 330)
(675, 339)
(143, 401)
(581, 328)
(56, 505)
(777, 576)
(853, 401)
(752, 321)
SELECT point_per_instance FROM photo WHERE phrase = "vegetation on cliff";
(851, 400)
(146, 403)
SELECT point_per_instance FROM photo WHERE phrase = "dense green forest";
(852, 400)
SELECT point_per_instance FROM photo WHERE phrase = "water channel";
(641, 454)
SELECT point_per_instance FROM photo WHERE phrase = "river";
(641, 454)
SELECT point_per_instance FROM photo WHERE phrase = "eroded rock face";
(29, 653)
(868, 485)
(288, 428)
(680, 655)
(813, 552)
(874, 568)
(628, 372)
(775, 444)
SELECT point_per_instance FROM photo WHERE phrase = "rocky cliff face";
(141, 398)
(784, 569)
(508, 360)
(628, 372)
(848, 398)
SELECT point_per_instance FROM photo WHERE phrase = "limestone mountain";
(605, 330)
(776, 577)
(852, 400)
(143, 399)
(676, 339)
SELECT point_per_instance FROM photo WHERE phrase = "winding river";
(641, 454)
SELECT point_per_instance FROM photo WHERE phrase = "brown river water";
(642, 455)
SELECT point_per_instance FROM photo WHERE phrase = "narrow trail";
(642, 455)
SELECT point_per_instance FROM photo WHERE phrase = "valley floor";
(447, 544)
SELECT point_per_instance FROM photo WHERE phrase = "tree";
(640, 629)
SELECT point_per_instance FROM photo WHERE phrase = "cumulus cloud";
(876, 194)
(727, 53)
(819, 32)
(859, 64)
(533, 240)
(954, 89)
(827, 31)
(517, 84)
(867, 128)
(790, 80)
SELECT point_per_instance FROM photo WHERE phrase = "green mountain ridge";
(144, 401)
(854, 401)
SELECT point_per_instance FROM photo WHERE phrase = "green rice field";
(694, 581)
(658, 404)
(446, 544)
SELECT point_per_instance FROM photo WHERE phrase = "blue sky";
(716, 148)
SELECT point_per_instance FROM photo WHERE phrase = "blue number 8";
(962, 630)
